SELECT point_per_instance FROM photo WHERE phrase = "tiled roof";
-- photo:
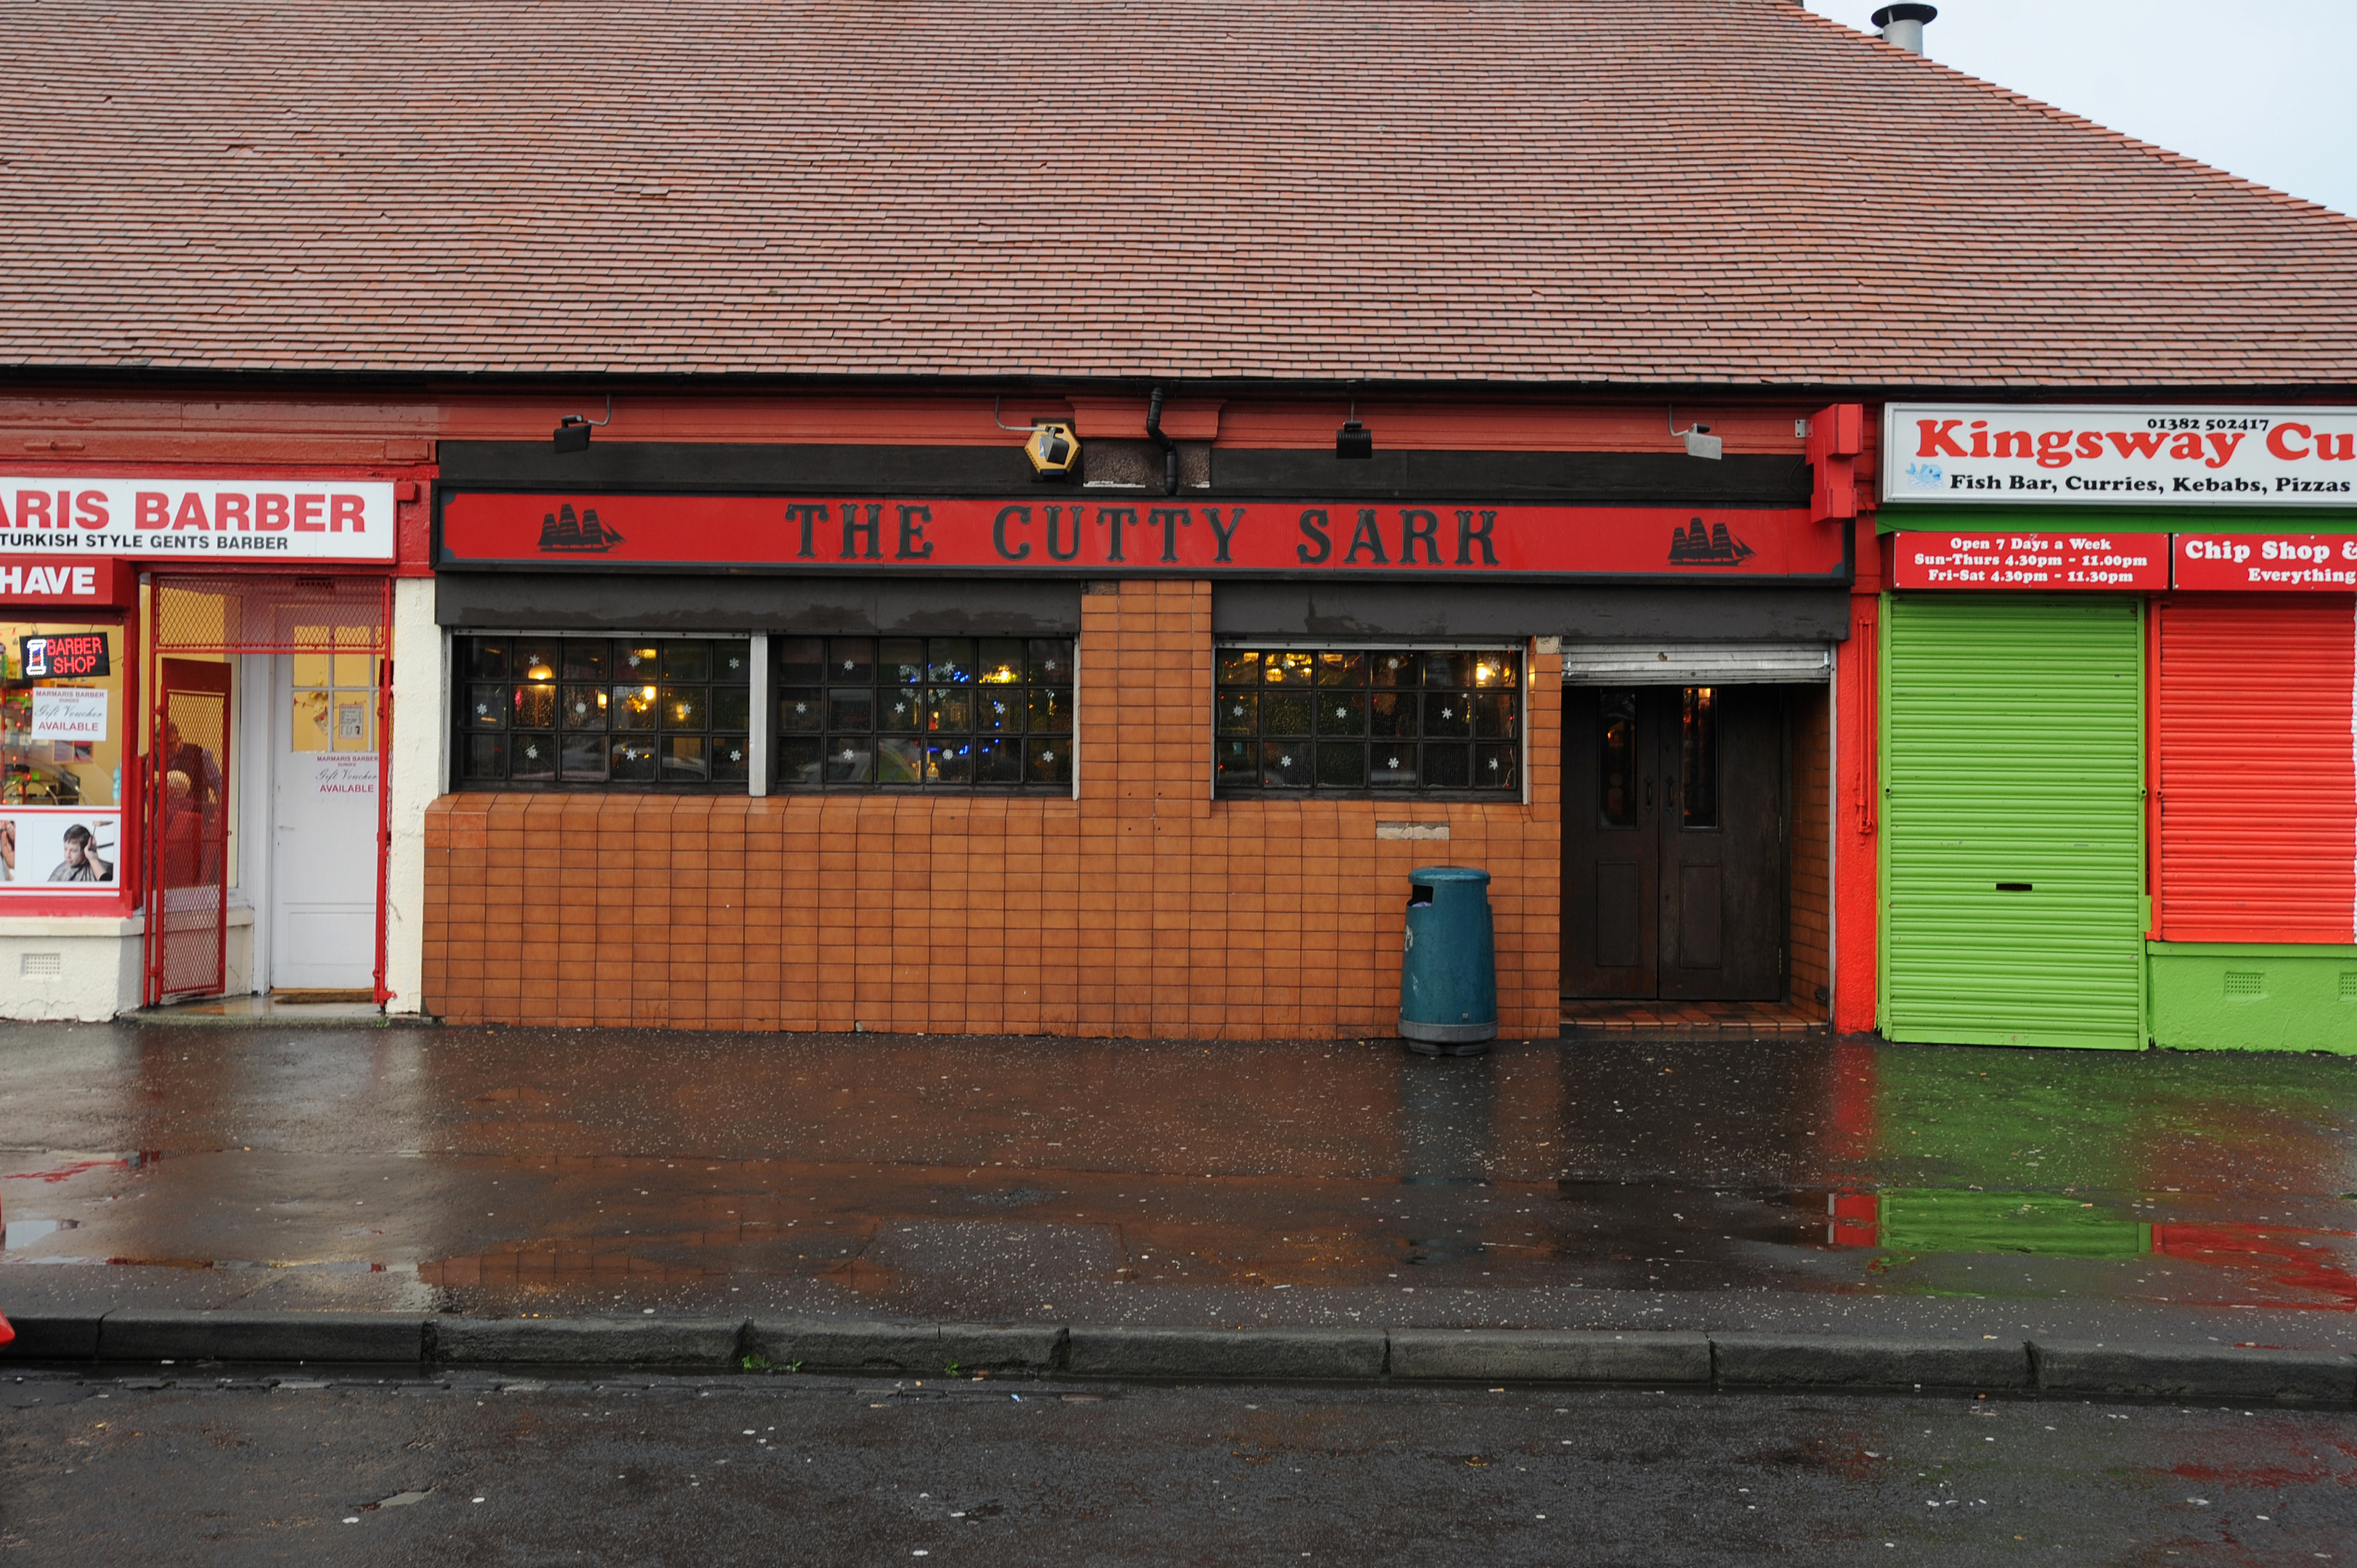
(1548, 191)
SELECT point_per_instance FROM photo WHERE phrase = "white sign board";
(215, 520)
(70, 713)
(48, 851)
(2056, 453)
(344, 773)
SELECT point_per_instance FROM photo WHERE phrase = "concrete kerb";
(1404, 1356)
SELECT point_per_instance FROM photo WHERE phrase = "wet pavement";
(209, 1466)
(1802, 1184)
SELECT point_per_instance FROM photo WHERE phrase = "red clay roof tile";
(1580, 190)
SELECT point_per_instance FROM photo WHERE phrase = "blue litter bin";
(1449, 963)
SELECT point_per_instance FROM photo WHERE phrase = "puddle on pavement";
(988, 1175)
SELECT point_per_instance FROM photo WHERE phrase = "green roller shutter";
(2013, 820)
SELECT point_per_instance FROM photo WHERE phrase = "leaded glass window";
(915, 713)
(1362, 721)
(620, 712)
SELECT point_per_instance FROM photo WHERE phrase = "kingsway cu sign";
(2046, 455)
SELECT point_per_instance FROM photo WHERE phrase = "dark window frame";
(1481, 721)
(713, 696)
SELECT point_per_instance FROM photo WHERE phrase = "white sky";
(2264, 88)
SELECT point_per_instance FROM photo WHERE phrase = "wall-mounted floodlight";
(1053, 449)
(1354, 440)
(1700, 442)
(572, 430)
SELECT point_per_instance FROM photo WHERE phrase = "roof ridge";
(2067, 116)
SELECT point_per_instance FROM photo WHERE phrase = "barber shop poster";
(48, 851)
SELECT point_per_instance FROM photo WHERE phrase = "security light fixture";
(1354, 440)
(572, 430)
(1700, 442)
(1053, 449)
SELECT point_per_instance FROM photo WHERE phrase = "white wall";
(421, 725)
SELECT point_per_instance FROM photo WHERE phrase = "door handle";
(1649, 794)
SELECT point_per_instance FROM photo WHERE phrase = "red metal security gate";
(2255, 770)
(189, 867)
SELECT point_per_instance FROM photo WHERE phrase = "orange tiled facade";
(1142, 909)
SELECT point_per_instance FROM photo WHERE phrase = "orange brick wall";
(1812, 902)
(1143, 909)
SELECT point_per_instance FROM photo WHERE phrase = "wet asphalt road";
(836, 1472)
(1798, 1184)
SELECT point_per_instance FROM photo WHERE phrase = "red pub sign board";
(1135, 534)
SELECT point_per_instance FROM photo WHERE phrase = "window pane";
(356, 669)
(1342, 713)
(583, 759)
(1342, 765)
(999, 710)
(632, 761)
(1448, 669)
(487, 659)
(850, 759)
(899, 709)
(1286, 669)
(732, 661)
(1448, 713)
(1393, 668)
(1239, 667)
(1448, 767)
(1002, 662)
(999, 762)
(1497, 768)
(1495, 715)
(1048, 760)
(1050, 661)
(354, 718)
(949, 659)
(1237, 712)
(1284, 764)
(313, 669)
(799, 763)
(1495, 672)
(801, 711)
(1391, 714)
(535, 707)
(1698, 757)
(532, 756)
(1052, 710)
(1392, 767)
(687, 661)
(801, 660)
(534, 660)
(585, 707)
(487, 708)
(634, 708)
(310, 723)
(728, 759)
(1285, 712)
(900, 661)
(851, 707)
(732, 708)
(487, 756)
(1616, 752)
(1342, 669)
(900, 761)
(950, 762)
(1238, 763)
(685, 707)
(851, 659)
(685, 760)
(637, 662)
(948, 710)
(586, 660)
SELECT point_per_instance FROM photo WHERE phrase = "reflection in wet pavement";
(505, 1170)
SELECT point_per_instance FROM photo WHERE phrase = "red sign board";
(1136, 534)
(52, 581)
(2268, 563)
(1964, 560)
(63, 655)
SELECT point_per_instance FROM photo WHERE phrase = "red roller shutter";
(2257, 766)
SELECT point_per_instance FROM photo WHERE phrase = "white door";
(323, 824)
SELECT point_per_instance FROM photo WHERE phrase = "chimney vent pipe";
(1903, 24)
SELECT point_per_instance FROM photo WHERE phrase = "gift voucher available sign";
(2268, 563)
(232, 520)
(2007, 455)
(2045, 561)
(1069, 533)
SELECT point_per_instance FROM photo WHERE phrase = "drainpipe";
(1169, 447)
(1903, 24)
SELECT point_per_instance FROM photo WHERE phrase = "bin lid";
(1448, 873)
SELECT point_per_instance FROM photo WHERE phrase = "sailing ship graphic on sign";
(1714, 547)
(563, 534)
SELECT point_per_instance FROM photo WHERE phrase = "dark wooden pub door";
(1672, 842)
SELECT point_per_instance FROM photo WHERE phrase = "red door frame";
(216, 679)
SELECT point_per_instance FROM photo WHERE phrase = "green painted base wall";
(2231, 996)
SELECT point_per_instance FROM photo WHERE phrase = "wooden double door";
(1674, 803)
